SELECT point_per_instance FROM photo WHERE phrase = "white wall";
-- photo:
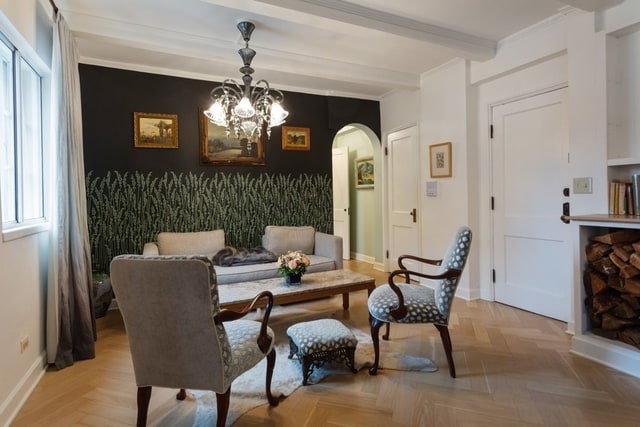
(23, 262)
(454, 106)
(399, 110)
(444, 118)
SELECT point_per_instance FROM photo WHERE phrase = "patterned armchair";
(414, 303)
(179, 336)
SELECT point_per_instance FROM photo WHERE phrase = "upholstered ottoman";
(319, 341)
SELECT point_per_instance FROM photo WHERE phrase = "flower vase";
(293, 279)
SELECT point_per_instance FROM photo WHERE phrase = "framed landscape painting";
(152, 130)
(296, 138)
(216, 148)
(365, 176)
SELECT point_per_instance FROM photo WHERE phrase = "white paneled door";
(403, 167)
(341, 218)
(530, 170)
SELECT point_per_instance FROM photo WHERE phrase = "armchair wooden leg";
(182, 394)
(144, 396)
(222, 400)
(271, 363)
(446, 343)
(375, 337)
(386, 334)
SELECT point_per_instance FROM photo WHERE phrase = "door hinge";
(387, 254)
(491, 131)
(493, 204)
(386, 151)
(493, 275)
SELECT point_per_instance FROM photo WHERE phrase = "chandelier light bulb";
(216, 113)
(278, 114)
(244, 109)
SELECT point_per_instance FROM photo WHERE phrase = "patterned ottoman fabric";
(320, 341)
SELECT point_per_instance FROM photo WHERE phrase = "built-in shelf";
(627, 161)
(617, 219)
(612, 353)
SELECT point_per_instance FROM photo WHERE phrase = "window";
(21, 141)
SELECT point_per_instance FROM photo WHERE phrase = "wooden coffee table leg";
(345, 301)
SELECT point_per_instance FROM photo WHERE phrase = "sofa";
(233, 265)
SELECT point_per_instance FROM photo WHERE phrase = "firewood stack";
(612, 285)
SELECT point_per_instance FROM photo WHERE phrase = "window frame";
(23, 52)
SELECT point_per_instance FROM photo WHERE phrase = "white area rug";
(248, 390)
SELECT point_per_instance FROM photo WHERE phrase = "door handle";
(413, 214)
(566, 212)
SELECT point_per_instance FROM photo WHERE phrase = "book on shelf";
(622, 200)
(635, 193)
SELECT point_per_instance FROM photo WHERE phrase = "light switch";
(582, 185)
(432, 188)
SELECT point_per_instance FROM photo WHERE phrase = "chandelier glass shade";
(242, 108)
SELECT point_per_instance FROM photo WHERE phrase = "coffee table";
(236, 296)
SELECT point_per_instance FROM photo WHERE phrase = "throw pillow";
(229, 256)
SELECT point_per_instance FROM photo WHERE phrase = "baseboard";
(468, 294)
(364, 258)
(21, 392)
(463, 293)
(379, 266)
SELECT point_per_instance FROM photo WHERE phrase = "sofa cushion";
(229, 255)
(280, 239)
(201, 243)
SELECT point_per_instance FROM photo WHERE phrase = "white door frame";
(491, 106)
(385, 192)
(487, 290)
(341, 171)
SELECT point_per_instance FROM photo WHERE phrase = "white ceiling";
(362, 48)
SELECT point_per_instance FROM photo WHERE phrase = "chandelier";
(246, 109)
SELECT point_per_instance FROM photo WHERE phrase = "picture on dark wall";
(218, 148)
(152, 130)
(365, 177)
(296, 139)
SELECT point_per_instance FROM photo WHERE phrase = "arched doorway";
(365, 201)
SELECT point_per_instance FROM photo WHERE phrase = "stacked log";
(612, 285)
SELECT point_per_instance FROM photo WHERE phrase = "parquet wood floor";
(514, 369)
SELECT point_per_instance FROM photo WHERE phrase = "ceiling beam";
(472, 47)
(592, 5)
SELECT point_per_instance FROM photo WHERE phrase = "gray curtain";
(71, 331)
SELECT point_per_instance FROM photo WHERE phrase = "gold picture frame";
(152, 130)
(298, 139)
(216, 148)
(365, 172)
(440, 160)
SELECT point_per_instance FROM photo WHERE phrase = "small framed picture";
(152, 130)
(296, 139)
(440, 160)
(365, 174)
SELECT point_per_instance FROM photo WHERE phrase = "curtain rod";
(53, 5)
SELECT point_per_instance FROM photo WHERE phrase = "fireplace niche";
(590, 339)
(612, 285)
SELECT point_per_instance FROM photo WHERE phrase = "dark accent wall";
(134, 193)
(111, 96)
